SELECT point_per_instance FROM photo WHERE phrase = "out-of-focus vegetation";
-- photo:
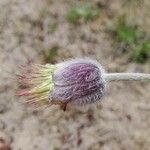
(126, 33)
(49, 56)
(134, 39)
(141, 52)
(131, 2)
(82, 12)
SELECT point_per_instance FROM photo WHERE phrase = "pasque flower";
(74, 82)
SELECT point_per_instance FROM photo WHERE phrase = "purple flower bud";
(78, 82)
(75, 82)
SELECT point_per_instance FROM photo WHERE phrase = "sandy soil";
(29, 29)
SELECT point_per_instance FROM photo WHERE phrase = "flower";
(74, 82)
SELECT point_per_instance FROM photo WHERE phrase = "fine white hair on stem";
(126, 77)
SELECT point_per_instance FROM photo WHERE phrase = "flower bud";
(78, 82)
(74, 82)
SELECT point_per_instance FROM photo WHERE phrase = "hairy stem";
(126, 77)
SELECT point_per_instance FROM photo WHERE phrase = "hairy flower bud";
(78, 82)
(74, 82)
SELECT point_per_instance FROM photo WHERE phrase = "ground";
(30, 30)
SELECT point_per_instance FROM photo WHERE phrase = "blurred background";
(116, 33)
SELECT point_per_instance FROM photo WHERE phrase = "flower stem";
(126, 77)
